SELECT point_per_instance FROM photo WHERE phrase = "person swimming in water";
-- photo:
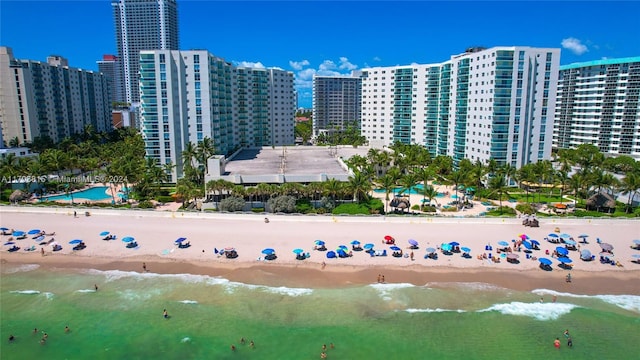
(11, 338)
(569, 342)
(556, 343)
(252, 344)
(566, 333)
(165, 314)
(66, 329)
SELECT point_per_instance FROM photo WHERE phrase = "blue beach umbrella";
(34, 231)
(180, 240)
(527, 244)
(18, 233)
(268, 251)
(128, 239)
(564, 236)
(9, 243)
(583, 236)
(636, 241)
(319, 242)
(465, 249)
(368, 246)
(298, 251)
(104, 233)
(545, 261)
(76, 241)
(355, 242)
(3, 228)
(503, 243)
(635, 256)
(445, 247)
(561, 250)
(39, 238)
(535, 242)
(570, 242)
(413, 242)
(431, 250)
(395, 248)
(454, 243)
(553, 235)
(344, 247)
(331, 254)
(565, 260)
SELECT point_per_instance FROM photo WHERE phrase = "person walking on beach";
(383, 279)
(324, 264)
(144, 267)
(95, 286)
(75, 214)
(411, 256)
(379, 278)
(42, 251)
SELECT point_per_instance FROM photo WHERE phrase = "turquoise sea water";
(123, 319)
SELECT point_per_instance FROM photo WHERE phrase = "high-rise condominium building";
(336, 102)
(483, 104)
(142, 25)
(109, 66)
(189, 95)
(50, 99)
(598, 104)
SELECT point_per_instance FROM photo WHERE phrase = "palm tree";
(360, 186)
(204, 150)
(498, 186)
(562, 177)
(576, 182)
(388, 183)
(332, 187)
(407, 182)
(424, 175)
(430, 193)
(457, 177)
(630, 185)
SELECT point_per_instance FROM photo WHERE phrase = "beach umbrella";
(535, 242)
(395, 248)
(565, 236)
(606, 254)
(454, 243)
(229, 249)
(9, 243)
(636, 241)
(388, 237)
(368, 246)
(465, 249)
(431, 250)
(553, 235)
(355, 242)
(445, 247)
(18, 233)
(570, 242)
(128, 239)
(298, 251)
(331, 254)
(319, 242)
(76, 241)
(341, 253)
(503, 243)
(343, 247)
(104, 233)
(527, 244)
(267, 251)
(523, 236)
(583, 236)
(3, 228)
(562, 251)
(585, 254)
(606, 246)
(545, 261)
(565, 260)
(413, 242)
(180, 240)
(34, 231)
(512, 256)
(215, 250)
(39, 238)
(635, 256)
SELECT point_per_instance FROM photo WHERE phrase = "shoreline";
(156, 232)
(311, 275)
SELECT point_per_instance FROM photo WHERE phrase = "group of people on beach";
(381, 279)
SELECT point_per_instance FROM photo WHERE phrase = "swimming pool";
(414, 190)
(98, 193)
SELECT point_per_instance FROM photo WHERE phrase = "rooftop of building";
(625, 60)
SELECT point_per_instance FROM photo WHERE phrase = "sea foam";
(385, 290)
(25, 292)
(188, 302)
(627, 302)
(539, 311)
(21, 268)
(436, 310)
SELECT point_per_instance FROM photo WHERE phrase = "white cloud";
(327, 65)
(574, 45)
(249, 64)
(298, 65)
(345, 64)
(376, 58)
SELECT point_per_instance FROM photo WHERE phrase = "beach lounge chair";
(14, 248)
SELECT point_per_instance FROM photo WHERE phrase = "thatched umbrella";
(601, 200)
(17, 195)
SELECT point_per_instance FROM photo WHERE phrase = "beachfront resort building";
(483, 104)
(598, 104)
(110, 68)
(189, 95)
(141, 25)
(336, 102)
(50, 99)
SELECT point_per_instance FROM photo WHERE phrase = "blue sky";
(327, 37)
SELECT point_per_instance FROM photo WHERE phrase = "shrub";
(501, 211)
(303, 206)
(145, 205)
(232, 203)
(165, 199)
(525, 208)
(257, 210)
(282, 203)
(327, 203)
(352, 209)
(415, 207)
(376, 206)
(428, 208)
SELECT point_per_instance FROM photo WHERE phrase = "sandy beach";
(155, 232)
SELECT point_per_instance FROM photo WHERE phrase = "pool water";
(98, 193)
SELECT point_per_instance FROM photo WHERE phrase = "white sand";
(156, 232)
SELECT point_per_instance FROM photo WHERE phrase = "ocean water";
(123, 319)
